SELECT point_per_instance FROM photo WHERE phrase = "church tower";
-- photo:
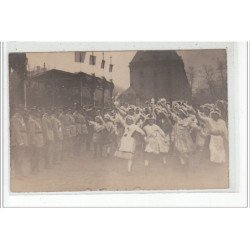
(158, 74)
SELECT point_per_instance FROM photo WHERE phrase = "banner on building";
(92, 60)
(103, 64)
(80, 56)
(111, 67)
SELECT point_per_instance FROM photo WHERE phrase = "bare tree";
(18, 64)
(208, 74)
(191, 74)
(222, 69)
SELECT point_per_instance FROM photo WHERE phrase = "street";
(84, 173)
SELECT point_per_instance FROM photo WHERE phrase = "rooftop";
(154, 55)
(60, 75)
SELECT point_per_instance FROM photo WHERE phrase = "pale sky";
(120, 60)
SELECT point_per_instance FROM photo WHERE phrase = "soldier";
(110, 133)
(36, 139)
(66, 132)
(77, 141)
(81, 130)
(72, 131)
(89, 117)
(58, 136)
(19, 142)
(84, 128)
(48, 138)
(98, 135)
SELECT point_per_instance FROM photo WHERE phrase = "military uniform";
(36, 141)
(81, 131)
(19, 142)
(72, 132)
(49, 140)
(84, 129)
(66, 134)
(58, 139)
(77, 141)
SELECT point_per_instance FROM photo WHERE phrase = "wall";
(166, 80)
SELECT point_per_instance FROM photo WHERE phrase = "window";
(141, 73)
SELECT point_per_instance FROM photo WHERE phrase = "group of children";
(161, 127)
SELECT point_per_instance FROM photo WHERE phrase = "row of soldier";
(53, 135)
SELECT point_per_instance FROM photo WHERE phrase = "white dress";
(156, 141)
(183, 142)
(201, 136)
(127, 145)
(216, 146)
(219, 134)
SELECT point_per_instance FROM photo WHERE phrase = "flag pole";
(93, 69)
(25, 95)
(81, 88)
(104, 66)
(25, 87)
(81, 78)
(111, 73)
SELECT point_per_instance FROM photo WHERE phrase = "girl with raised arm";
(156, 141)
(217, 129)
(127, 145)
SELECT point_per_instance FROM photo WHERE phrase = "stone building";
(157, 74)
(60, 88)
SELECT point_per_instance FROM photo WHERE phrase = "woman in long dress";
(156, 140)
(181, 136)
(219, 135)
(127, 145)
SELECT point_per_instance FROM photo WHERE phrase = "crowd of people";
(158, 128)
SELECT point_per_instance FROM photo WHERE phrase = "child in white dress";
(127, 145)
(181, 137)
(156, 140)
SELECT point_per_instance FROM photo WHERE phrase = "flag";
(92, 60)
(103, 64)
(111, 67)
(80, 56)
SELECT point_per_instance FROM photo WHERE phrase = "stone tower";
(157, 74)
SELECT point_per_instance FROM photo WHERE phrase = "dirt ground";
(84, 173)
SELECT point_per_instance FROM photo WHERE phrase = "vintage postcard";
(101, 120)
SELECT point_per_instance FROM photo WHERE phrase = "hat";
(163, 100)
(98, 117)
(175, 104)
(207, 105)
(215, 111)
(107, 116)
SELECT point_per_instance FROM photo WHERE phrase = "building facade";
(65, 89)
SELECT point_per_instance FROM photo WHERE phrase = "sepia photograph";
(118, 120)
(117, 108)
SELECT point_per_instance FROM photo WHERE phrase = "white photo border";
(235, 196)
